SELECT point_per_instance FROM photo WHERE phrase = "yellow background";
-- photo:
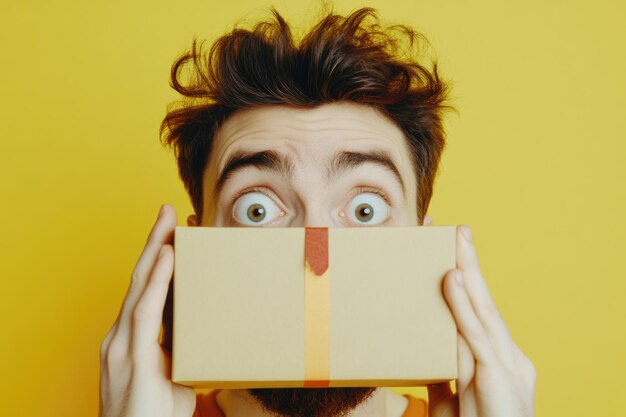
(536, 163)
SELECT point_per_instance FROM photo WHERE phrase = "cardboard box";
(365, 308)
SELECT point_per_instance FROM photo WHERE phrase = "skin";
(495, 377)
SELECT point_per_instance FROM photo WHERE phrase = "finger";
(466, 364)
(480, 296)
(161, 233)
(439, 392)
(441, 400)
(467, 322)
(525, 367)
(148, 313)
(107, 339)
(467, 261)
(106, 343)
(466, 385)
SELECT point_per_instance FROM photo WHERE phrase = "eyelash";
(365, 189)
(257, 189)
(263, 189)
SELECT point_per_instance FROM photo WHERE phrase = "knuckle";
(115, 354)
(135, 276)
(527, 369)
(474, 335)
(490, 307)
(141, 314)
(103, 351)
(531, 370)
(104, 346)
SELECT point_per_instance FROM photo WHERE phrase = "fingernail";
(467, 233)
(160, 212)
(458, 278)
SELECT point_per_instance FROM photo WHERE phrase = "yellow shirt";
(206, 406)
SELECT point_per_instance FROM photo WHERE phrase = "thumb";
(441, 401)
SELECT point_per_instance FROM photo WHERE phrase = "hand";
(495, 378)
(135, 375)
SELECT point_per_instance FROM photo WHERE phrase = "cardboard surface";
(247, 314)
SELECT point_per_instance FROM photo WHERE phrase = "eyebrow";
(344, 161)
(264, 160)
(273, 161)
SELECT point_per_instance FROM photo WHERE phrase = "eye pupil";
(256, 212)
(364, 212)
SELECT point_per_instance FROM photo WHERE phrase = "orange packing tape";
(316, 308)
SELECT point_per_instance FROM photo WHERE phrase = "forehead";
(310, 135)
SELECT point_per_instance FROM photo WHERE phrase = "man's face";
(335, 165)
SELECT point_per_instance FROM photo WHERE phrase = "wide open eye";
(255, 209)
(368, 209)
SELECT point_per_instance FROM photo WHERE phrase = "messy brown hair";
(341, 58)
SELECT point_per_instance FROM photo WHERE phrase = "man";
(336, 131)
